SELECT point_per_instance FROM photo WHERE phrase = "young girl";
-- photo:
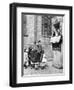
(26, 58)
(43, 64)
(44, 60)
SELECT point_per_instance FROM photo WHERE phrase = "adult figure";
(57, 40)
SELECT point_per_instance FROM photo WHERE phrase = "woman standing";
(56, 41)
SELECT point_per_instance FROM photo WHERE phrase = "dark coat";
(57, 45)
(35, 55)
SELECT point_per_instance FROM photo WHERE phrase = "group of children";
(35, 61)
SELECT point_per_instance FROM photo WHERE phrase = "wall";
(33, 29)
(4, 44)
(29, 29)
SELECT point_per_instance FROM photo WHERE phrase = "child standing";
(26, 58)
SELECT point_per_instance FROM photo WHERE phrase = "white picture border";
(47, 78)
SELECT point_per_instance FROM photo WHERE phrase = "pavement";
(49, 69)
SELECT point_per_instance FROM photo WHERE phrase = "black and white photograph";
(42, 40)
(40, 44)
